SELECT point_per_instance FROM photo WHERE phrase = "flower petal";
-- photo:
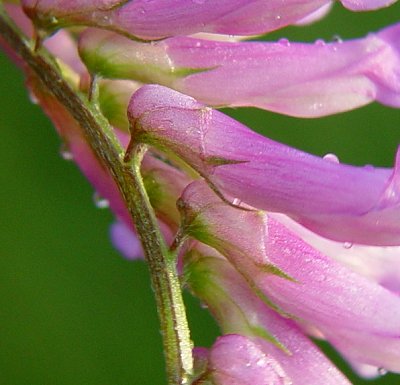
(151, 20)
(377, 263)
(341, 202)
(360, 318)
(236, 360)
(238, 310)
(126, 241)
(298, 79)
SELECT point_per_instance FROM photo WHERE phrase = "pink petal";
(358, 316)
(126, 241)
(341, 202)
(236, 360)
(298, 79)
(377, 263)
(238, 310)
(151, 20)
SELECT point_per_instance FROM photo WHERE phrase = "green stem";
(101, 139)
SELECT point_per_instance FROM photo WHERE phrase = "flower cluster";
(279, 244)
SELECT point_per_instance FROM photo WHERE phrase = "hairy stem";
(101, 139)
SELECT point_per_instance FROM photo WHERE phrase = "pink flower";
(238, 310)
(354, 313)
(265, 225)
(236, 360)
(150, 20)
(306, 80)
(341, 202)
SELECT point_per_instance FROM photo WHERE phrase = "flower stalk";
(109, 152)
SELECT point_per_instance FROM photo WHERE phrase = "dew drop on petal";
(347, 245)
(331, 158)
(320, 43)
(337, 39)
(284, 42)
(382, 371)
(236, 202)
(100, 202)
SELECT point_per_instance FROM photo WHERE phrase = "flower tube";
(358, 316)
(149, 20)
(341, 202)
(298, 79)
(239, 311)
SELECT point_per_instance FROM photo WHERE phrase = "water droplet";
(284, 42)
(262, 362)
(369, 167)
(106, 20)
(337, 39)
(236, 202)
(100, 202)
(382, 371)
(65, 153)
(320, 42)
(278, 17)
(347, 245)
(317, 106)
(331, 158)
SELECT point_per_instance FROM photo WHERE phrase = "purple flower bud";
(298, 79)
(341, 202)
(151, 20)
(238, 310)
(358, 316)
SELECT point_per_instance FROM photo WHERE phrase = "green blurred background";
(72, 310)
